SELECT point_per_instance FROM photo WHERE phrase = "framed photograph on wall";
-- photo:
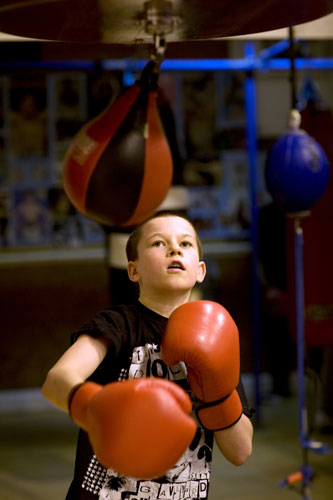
(65, 221)
(69, 103)
(28, 131)
(24, 174)
(230, 110)
(224, 211)
(230, 98)
(68, 113)
(199, 108)
(103, 89)
(93, 232)
(235, 211)
(31, 221)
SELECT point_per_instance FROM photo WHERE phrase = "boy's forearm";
(73, 368)
(58, 386)
(235, 443)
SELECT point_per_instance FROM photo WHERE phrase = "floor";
(38, 445)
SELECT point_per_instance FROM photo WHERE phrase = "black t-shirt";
(135, 333)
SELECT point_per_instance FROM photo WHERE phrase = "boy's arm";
(74, 367)
(235, 443)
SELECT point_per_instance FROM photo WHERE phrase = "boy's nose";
(174, 250)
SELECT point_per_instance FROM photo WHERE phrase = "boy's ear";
(133, 272)
(201, 273)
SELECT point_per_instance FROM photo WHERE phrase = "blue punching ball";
(297, 169)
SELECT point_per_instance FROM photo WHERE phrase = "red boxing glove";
(139, 427)
(204, 335)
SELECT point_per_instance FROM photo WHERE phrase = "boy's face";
(168, 258)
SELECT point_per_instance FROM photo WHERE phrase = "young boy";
(124, 342)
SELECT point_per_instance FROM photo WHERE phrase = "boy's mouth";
(176, 264)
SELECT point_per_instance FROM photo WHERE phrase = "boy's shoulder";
(135, 309)
(129, 321)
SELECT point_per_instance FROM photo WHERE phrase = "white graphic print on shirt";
(188, 479)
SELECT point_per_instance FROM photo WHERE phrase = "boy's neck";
(164, 307)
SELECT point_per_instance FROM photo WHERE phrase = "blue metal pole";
(251, 128)
(299, 293)
(307, 471)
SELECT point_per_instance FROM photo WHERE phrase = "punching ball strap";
(149, 76)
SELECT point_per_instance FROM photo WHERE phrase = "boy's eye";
(157, 243)
(186, 243)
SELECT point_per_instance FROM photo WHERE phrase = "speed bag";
(118, 169)
(297, 171)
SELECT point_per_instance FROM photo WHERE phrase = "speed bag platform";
(118, 169)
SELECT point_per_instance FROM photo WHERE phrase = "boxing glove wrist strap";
(71, 396)
(220, 414)
(79, 399)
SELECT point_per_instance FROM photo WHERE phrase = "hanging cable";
(292, 68)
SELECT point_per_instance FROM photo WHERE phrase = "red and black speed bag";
(118, 168)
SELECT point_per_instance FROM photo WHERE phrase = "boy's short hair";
(134, 238)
